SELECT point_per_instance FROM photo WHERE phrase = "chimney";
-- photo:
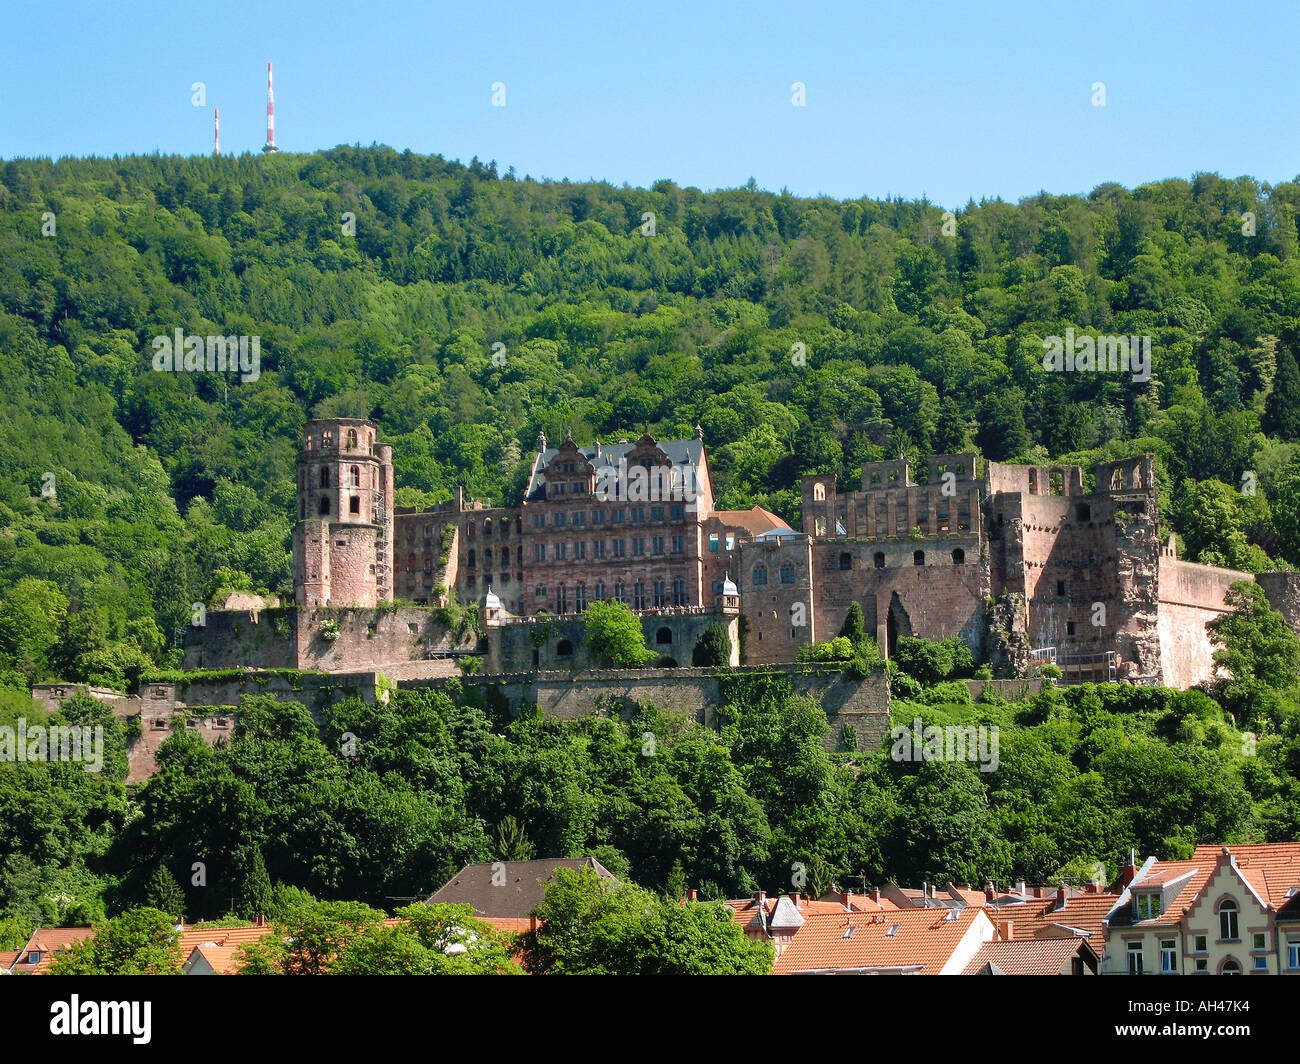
(1006, 931)
(1093, 888)
(1060, 897)
(1127, 873)
(693, 895)
(760, 896)
(848, 900)
(794, 897)
(532, 923)
(875, 895)
(989, 891)
(1020, 887)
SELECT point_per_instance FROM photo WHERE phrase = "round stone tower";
(343, 539)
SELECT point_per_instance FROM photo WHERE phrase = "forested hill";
(804, 335)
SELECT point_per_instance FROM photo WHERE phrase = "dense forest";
(803, 335)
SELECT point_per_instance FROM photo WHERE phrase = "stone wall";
(561, 642)
(292, 638)
(1191, 596)
(696, 693)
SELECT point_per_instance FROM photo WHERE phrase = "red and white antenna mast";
(269, 146)
(216, 122)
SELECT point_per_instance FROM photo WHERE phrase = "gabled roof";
(756, 521)
(520, 893)
(1026, 957)
(1268, 870)
(609, 455)
(7, 958)
(48, 942)
(918, 940)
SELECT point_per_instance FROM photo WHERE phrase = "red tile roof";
(1026, 957)
(922, 940)
(755, 520)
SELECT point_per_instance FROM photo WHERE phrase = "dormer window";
(1147, 906)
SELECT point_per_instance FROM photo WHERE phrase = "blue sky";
(955, 101)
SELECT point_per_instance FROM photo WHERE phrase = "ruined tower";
(343, 541)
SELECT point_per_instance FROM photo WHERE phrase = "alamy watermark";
(952, 742)
(209, 354)
(1098, 354)
(55, 742)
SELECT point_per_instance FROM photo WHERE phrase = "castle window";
(620, 591)
(1069, 628)
(580, 599)
(324, 476)
(356, 476)
(487, 526)
(760, 575)
(1083, 512)
(519, 555)
(487, 558)
(664, 636)
(1056, 484)
(471, 560)
(327, 437)
(819, 526)
(959, 557)
(469, 530)
(352, 439)
(302, 507)
(638, 595)
(324, 504)
(918, 557)
(819, 492)
(879, 559)
(561, 599)
(1033, 482)
(600, 590)
(354, 505)
(787, 573)
(564, 649)
(1060, 587)
(660, 594)
(846, 561)
(679, 592)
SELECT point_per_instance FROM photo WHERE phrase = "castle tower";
(343, 540)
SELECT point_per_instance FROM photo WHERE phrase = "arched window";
(487, 557)
(638, 595)
(819, 493)
(1230, 967)
(879, 559)
(918, 557)
(519, 555)
(659, 593)
(410, 563)
(471, 561)
(487, 526)
(787, 573)
(620, 591)
(324, 476)
(600, 590)
(760, 575)
(469, 530)
(324, 504)
(352, 439)
(959, 557)
(564, 649)
(1228, 920)
(664, 636)
(846, 561)
(327, 437)
(1033, 482)
(356, 476)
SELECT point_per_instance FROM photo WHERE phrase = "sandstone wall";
(1191, 596)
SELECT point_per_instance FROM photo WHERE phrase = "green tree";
(713, 648)
(615, 635)
(252, 894)
(165, 894)
(590, 926)
(138, 942)
(1282, 408)
(1257, 648)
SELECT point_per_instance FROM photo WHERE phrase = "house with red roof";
(1226, 910)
